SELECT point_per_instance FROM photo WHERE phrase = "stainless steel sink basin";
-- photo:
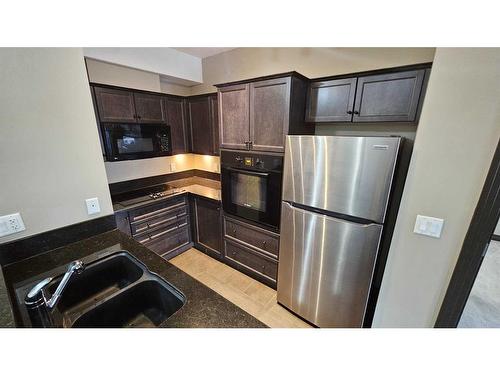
(147, 304)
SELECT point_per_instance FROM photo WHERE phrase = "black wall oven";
(251, 186)
(136, 141)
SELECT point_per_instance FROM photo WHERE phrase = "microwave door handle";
(247, 172)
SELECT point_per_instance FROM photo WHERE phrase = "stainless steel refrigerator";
(335, 196)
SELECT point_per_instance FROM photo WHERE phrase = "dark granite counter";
(204, 308)
(203, 187)
(6, 316)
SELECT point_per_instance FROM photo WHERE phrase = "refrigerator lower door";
(325, 266)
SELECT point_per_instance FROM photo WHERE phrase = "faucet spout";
(37, 303)
(74, 267)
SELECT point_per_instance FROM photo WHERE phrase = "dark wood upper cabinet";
(388, 97)
(208, 226)
(331, 101)
(269, 114)
(214, 117)
(115, 105)
(176, 118)
(234, 130)
(200, 125)
(149, 108)
(257, 115)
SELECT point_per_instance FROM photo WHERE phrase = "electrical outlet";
(216, 167)
(92, 206)
(10, 224)
(172, 167)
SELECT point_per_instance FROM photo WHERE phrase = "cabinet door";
(115, 105)
(331, 101)
(208, 233)
(175, 116)
(214, 118)
(234, 117)
(199, 126)
(269, 114)
(388, 97)
(149, 108)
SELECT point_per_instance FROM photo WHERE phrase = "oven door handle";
(246, 171)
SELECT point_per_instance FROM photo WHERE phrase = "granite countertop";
(6, 316)
(203, 187)
(204, 308)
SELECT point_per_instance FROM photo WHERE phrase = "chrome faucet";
(39, 306)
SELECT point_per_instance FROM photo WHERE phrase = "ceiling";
(203, 52)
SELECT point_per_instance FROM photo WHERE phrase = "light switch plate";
(92, 206)
(428, 226)
(10, 224)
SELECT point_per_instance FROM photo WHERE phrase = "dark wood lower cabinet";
(174, 225)
(162, 227)
(207, 226)
(251, 250)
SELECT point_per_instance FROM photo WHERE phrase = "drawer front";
(251, 260)
(167, 239)
(144, 238)
(150, 212)
(159, 221)
(253, 236)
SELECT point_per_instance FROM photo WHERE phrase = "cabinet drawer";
(251, 260)
(159, 221)
(154, 210)
(258, 238)
(167, 239)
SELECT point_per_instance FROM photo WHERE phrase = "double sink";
(116, 291)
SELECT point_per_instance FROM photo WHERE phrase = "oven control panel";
(248, 161)
(251, 160)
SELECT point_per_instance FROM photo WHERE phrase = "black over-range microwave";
(136, 141)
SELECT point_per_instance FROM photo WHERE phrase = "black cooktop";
(146, 194)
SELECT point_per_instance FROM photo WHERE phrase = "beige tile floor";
(250, 295)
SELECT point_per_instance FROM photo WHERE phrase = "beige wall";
(132, 169)
(457, 134)
(111, 74)
(243, 63)
(50, 157)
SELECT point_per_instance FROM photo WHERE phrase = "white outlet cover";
(428, 226)
(92, 206)
(172, 167)
(10, 224)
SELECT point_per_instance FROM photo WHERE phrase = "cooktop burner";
(147, 194)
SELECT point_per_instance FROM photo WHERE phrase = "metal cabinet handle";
(162, 233)
(162, 221)
(349, 112)
(149, 214)
(356, 112)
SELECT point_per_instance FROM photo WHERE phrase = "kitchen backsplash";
(133, 169)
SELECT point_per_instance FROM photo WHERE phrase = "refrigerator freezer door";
(326, 266)
(346, 175)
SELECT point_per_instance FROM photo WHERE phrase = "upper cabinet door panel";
(214, 117)
(388, 97)
(269, 114)
(331, 101)
(200, 127)
(233, 116)
(174, 114)
(149, 108)
(115, 105)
